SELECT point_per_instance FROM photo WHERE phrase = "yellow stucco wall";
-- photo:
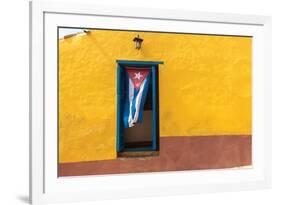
(204, 87)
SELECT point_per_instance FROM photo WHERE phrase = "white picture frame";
(46, 187)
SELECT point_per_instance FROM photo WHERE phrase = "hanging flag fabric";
(136, 88)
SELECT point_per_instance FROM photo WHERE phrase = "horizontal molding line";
(138, 63)
(219, 135)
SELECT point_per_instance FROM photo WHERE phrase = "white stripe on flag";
(131, 95)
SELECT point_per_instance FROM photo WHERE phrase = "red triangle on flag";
(137, 75)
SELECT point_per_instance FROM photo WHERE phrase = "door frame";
(120, 144)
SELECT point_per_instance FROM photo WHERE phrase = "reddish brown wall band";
(176, 153)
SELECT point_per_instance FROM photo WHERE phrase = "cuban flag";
(136, 88)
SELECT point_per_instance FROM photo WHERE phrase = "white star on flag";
(138, 75)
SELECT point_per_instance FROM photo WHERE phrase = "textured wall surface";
(205, 87)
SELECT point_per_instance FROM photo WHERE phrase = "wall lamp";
(138, 41)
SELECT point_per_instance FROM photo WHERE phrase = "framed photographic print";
(129, 102)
